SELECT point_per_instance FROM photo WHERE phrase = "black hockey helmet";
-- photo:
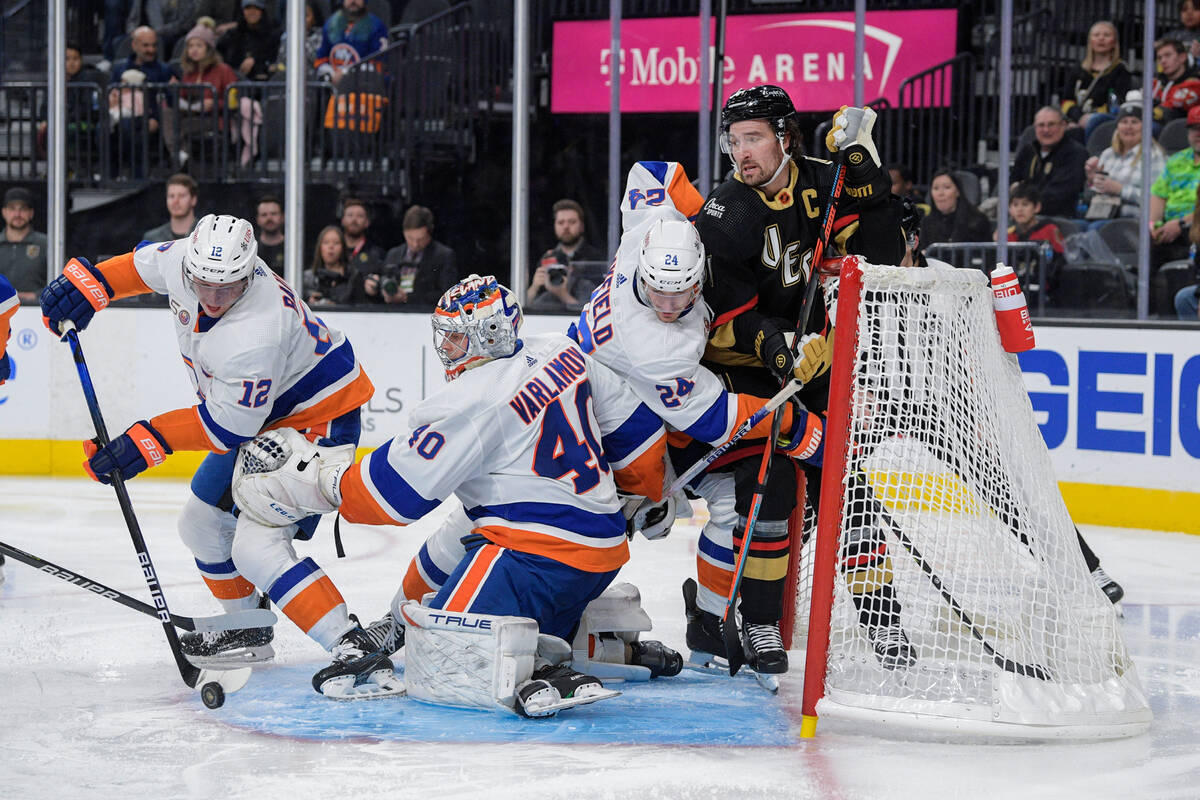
(759, 102)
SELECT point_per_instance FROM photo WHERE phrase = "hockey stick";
(249, 618)
(213, 684)
(729, 629)
(1006, 664)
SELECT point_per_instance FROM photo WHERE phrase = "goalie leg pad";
(609, 624)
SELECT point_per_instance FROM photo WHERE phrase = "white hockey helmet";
(220, 259)
(671, 267)
(475, 321)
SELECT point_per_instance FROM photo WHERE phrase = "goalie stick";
(212, 683)
(729, 628)
(249, 618)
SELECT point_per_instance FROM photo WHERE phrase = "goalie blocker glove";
(850, 138)
(75, 296)
(134, 451)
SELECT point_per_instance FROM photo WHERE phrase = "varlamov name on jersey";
(562, 371)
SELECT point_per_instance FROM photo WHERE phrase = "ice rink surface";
(90, 700)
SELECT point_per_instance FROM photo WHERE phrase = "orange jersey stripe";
(746, 406)
(230, 588)
(481, 565)
(183, 430)
(358, 505)
(123, 276)
(714, 578)
(314, 602)
(588, 559)
(352, 396)
(414, 586)
(5, 331)
(645, 475)
(685, 196)
(678, 439)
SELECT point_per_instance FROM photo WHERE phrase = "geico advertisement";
(1118, 406)
(137, 371)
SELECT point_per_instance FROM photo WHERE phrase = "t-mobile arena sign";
(809, 55)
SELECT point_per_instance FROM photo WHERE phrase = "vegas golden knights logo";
(777, 256)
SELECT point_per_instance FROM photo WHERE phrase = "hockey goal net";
(937, 483)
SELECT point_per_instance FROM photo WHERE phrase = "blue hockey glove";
(805, 440)
(76, 295)
(134, 451)
(5, 368)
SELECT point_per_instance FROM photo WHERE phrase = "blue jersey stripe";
(290, 579)
(713, 423)
(656, 168)
(641, 425)
(715, 551)
(228, 438)
(569, 518)
(223, 568)
(395, 490)
(333, 366)
(430, 568)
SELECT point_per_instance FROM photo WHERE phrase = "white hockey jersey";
(267, 362)
(529, 443)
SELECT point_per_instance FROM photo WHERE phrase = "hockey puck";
(212, 694)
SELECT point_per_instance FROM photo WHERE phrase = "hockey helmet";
(220, 259)
(475, 321)
(767, 102)
(671, 266)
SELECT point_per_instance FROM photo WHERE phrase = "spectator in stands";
(902, 182)
(83, 106)
(116, 15)
(1101, 82)
(1187, 299)
(1053, 162)
(172, 19)
(199, 109)
(331, 280)
(1173, 198)
(1189, 31)
(1176, 84)
(1024, 206)
(269, 217)
(251, 45)
(418, 271)
(182, 194)
(556, 286)
(22, 250)
(350, 35)
(1115, 176)
(314, 22)
(360, 253)
(951, 218)
(135, 110)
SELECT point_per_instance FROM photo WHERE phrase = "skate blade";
(233, 659)
(380, 683)
(699, 661)
(230, 679)
(550, 709)
(237, 620)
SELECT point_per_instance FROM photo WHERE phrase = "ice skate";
(360, 669)
(763, 646)
(234, 647)
(1113, 590)
(891, 647)
(703, 635)
(553, 688)
(386, 634)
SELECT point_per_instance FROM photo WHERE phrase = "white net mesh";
(948, 494)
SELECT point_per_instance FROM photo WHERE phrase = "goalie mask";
(670, 267)
(475, 321)
(219, 261)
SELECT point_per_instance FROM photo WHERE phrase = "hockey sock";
(766, 569)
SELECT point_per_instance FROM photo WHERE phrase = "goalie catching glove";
(850, 139)
(280, 477)
(134, 451)
(773, 349)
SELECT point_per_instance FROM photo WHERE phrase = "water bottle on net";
(1012, 313)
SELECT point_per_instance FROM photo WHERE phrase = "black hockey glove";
(772, 349)
(850, 139)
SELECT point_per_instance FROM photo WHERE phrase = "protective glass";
(217, 295)
(670, 303)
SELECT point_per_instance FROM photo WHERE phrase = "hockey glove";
(280, 477)
(5, 368)
(815, 355)
(75, 295)
(652, 519)
(805, 441)
(772, 349)
(134, 451)
(850, 139)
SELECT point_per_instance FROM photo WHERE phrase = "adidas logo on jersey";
(530, 361)
(621, 279)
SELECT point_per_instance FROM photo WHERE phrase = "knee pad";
(206, 530)
(466, 660)
(263, 553)
(608, 624)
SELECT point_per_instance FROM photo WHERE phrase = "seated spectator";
(902, 182)
(1188, 32)
(182, 194)
(199, 109)
(360, 253)
(173, 18)
(331, 280)
(1115, 176)
(417, 271)
(350, 35)
(83, 107)
(1024, 206)
(555, 285)
(1173, 198)
(1101, 82)
(314, 22)
(268, 214)
(951, 218)
(1053, 162)
(22, 250)
(1176, 84)
(1187, 299)
(251, 45)
(135, 110)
